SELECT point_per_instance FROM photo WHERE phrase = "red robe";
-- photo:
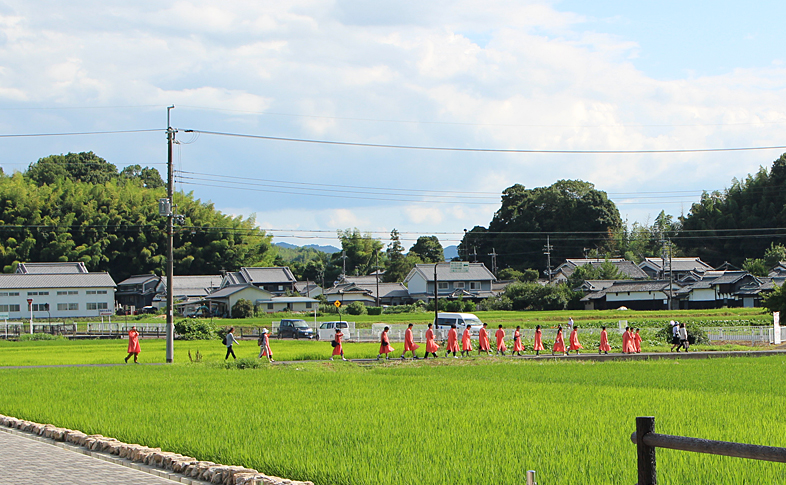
(452, 340)
(483, 340)
(574, 341)
(133, 342)
(431, 345)
(517, 345)
(631, 343)
(384, 344)
(409, 341)
(338, 349)
(266, 347)
(625, 342)
(500, 334)
(604, 342)
(559, 342)
(637, 342)
(466, 342)
(538, 341)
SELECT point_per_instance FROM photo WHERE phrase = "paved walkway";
(26, 460)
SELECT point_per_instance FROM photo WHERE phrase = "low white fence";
(748, 335)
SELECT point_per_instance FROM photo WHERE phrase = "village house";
(474, 284)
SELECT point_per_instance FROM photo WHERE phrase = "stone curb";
(171, 466)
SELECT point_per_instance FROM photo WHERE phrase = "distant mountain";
(324, 249)
(450, 252)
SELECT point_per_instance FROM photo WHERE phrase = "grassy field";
(479, 421)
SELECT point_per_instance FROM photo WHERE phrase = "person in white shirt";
(683, 337)
(675, 335)
(229, 340)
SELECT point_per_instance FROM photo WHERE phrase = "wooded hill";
(79, 207)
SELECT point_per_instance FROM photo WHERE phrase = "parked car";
(293, 328)
(148, 309)
(328, 329)
(461, 320)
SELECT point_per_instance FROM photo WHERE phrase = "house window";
(97, 306)
(442, 285)
(40, 307)
(9, 308)
(69, 292)
(73, 307)
(95, 292)
(62, 307)
(269, 306)
(10, 293)
(474, 285)
(280, 288)
(459, 284)
(308, 304)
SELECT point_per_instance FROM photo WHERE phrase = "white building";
(55, 290)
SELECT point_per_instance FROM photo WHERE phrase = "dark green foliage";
(195, 329)
(242, 309)
(114, 226)
(356, 308)
(604, 271)
(774, 255)
(755, 267)
(757, 202)
(374, 310)
(398, 265)
(81, 167)
(528, 274)
(460, 305)
(39, 336)
(776, 300)
(534, 296)
(428, 249)
(695, 334)
(584, 216)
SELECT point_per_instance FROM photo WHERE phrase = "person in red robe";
(637, 341)
(483, 340)
(631, 341)
(431, 344)
(409, 343)
(384, 344)
(452, 342)
(264, 346)
(338, 349)
(518, 347)
(500, 335)
(604, 341)
(625, 342)
(559, 342)
(133, 345)
(538, 344)
(466, 342)
(574, 340)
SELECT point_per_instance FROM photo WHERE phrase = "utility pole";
(376, 272)
(493, 255)
(671, 277)
(547, 251)
(474, 255)
(344, 264)
(436, 295)
(170, 264)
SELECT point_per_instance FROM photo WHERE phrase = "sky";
(515, 75)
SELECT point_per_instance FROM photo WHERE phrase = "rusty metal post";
(646, 454)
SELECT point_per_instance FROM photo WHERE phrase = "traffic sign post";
(337, 304)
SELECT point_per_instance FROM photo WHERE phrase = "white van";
(327, 330)
(461, 320)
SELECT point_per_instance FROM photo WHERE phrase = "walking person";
(604, 346)
(631, 341)
(466, 342)
(675, 335)
(384, 345)
(570, 324)
(625, 342)
(452, 342)
(518, 347)
(431, 344)
(133, 345)
(500, 335)
(574, 340)
(483, 340)
(409, 343)
(683, 337)
(338, 349)
(264, 346)
(637, 342)
(559, 342)
(538, 344)
(229, 340)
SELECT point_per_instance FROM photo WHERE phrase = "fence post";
(646, 454)
(531, 477)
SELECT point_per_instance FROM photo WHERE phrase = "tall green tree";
(428, 249)
(398, 264)
(572, 212)
(362, 252)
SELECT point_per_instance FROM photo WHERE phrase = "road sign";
(29, 301)
(104, 313)
(4, 315)
(337, 303)
(459, 266)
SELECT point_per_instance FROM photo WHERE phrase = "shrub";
(695, 334)
(242, 309)
(194, 329)
(39, 336)
(374, 310)
(356, 308)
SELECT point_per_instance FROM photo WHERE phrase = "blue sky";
(502, 74)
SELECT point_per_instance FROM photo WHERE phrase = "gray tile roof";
(195, 285)
(231, 290)
(679, 264)
(360, 280)
(138, 279)
(624, 286)
(267, 275)
(52, 268)
(628, 268)
(71, 280)
(477, 272)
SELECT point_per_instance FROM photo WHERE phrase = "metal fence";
(12, 330)
(749, 335)
(646, 441)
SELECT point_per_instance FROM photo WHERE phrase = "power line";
(114, 132)
(485, 150)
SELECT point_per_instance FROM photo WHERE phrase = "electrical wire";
(113, 132)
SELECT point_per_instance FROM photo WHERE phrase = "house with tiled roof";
(389, 294)
(473, 282)
(659, 268)
(275, 279)
(625, 267)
